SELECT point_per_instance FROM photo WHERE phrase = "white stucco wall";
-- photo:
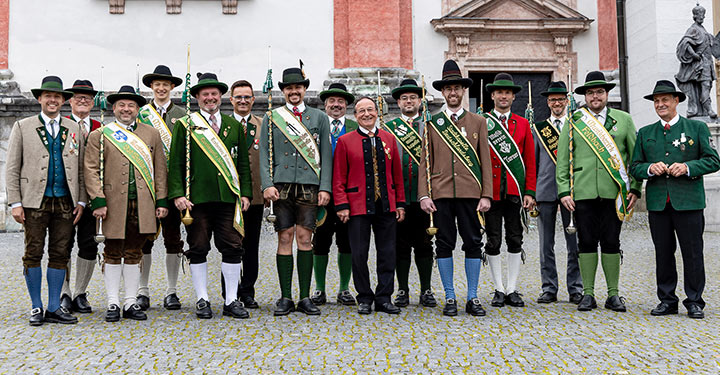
(73, 38)
(586, 44)
(429, 45)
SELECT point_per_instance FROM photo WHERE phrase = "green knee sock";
(402, 269)
(345, 267)
(611, 268)
(424, 266)
(304, 269)
(588, 266)
(285, 274)
(320, 263)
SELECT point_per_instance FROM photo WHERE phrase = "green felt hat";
(292, 76)
(503, 81)
(556, 87)
(208, 80)
(52, 84)
(592, 80)
(407, 85)
(126, 92)
(665, 87)
(337, 89)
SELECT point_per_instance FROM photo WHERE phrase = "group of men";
(158, 166)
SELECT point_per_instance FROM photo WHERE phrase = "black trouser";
(213, 219)
(322, 240)
(468, 225)
(253, 218)
(688, 226)
(87, 247)
(507, 209)
(383, 226)
(172, 236)
(412, 234)
(597, 222)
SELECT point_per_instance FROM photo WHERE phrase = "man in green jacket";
(220, 187)
(673, 154)
(602, 194)
(296, 174)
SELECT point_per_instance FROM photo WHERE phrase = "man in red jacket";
(512, 149)
(369, 193)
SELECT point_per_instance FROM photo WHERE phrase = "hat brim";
(219, 85)
(606, 85)
(396, 92)
(305, 82)
(490, 87)
(112, 98)
(65, 93)
(149, 78)
(79, 90)
(349, 98)
(439, 84)
(548, 93)
(681, 95)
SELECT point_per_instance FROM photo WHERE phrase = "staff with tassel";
(101, 103)
(530, 116)
(187, 219)
(426, 117)
(267, 89)
(572, 107)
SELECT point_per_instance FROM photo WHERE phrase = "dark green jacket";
(206, 183)
(654, 144)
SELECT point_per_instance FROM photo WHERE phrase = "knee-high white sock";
(231, 272)
(514, 261)
(145, 275)
(66, 283)
(495, 263)
(172, 265)
(199, 277)
(113, 274)
(83, 273)
(131, 277)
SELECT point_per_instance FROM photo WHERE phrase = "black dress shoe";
(203, 309)
(388, 308)
(61, 315)
(346, 298)
(318, 298)
(134, 312)
(695, 312)
(284, 306)
(306, 305)
(587, 303)
(547, 297)
(474, 308)
(615, 303)
(576, 298)
(172, 302)
(143, 302)
(514, 299)
(402, 299)
(427, 299)
(80, 304)
(236, 310)
(66, 302)
(36, 317)
(450, 308)
(113, 313)
(664, 309)
(249, 302)
(498, 299)
(364, 308)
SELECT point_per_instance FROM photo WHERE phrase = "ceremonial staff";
(426, 118)
(267, 89)
(101, 103)
(530, 116)
(481, 108)
(380, 102)
(572, 107)
(187, 219)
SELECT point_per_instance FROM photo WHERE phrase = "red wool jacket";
(519, 128)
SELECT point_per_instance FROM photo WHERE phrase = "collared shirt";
(561, 119)
(449, 113)
(85, 122)
(374, 130)
(506, 114)
(601, 116)
(300, 107)
(410, 120)
(330, 119)
(164, 107)
(52, 130)
(239, 117)
(217, 117)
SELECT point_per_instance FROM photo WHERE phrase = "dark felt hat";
(556, 87)
(407, 85)
(161, 72)
(126, 92)
(337, 89)
(503, 81)
(292, 76)
(592, 80)
(52, 84)
(665, 87)
(83, 86)
(451, 75)
(208, 80)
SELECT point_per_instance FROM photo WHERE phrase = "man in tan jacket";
(46, 192)
(128, 200)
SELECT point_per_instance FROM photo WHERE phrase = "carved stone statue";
(697, 69)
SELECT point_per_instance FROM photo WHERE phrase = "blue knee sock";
(445, 265)
(472, 272)
(55, 279)
(33, 279)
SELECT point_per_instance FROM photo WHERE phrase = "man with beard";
(409, 129)
(336, 99)
(296, 174)
(220, 189)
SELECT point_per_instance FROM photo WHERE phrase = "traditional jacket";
(411, 169)
(252, 142)
(94, 124)
(688, 141)
(348, 127)
(519, 129)
(173, 114)
(545, 187)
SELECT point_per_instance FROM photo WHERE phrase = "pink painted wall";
(607, 34)
(4, 32)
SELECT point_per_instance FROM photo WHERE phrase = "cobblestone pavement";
(535, 339)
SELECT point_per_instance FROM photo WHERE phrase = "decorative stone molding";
(461, 44)
(229, 6)
(117, 6)
(173, 6)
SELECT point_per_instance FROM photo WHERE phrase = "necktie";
(297, 113)
(336, 126)
(503, 120)
(667, 126)
(52, 128)
(244, 125)
(162, 112)
(453, 117)
(214, 124)
(557, 124)
(375, 167)
(84, 129)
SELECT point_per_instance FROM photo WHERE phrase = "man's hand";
(658, 169)
(323, 198)
(427, 205)
(271, 194)
(678, 169)
(161, 212)
(568, 202)
(78, 213)
(244, 204)
(183, 203)
(528, 202)
(633, 199)
(484, 205)
(100, 213)
(400, 215)
(344, 215)
(18, 213)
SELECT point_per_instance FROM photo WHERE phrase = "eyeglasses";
(83, 98)
(409, 97)
(243, 97)
(596, 92)
(557, 100)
